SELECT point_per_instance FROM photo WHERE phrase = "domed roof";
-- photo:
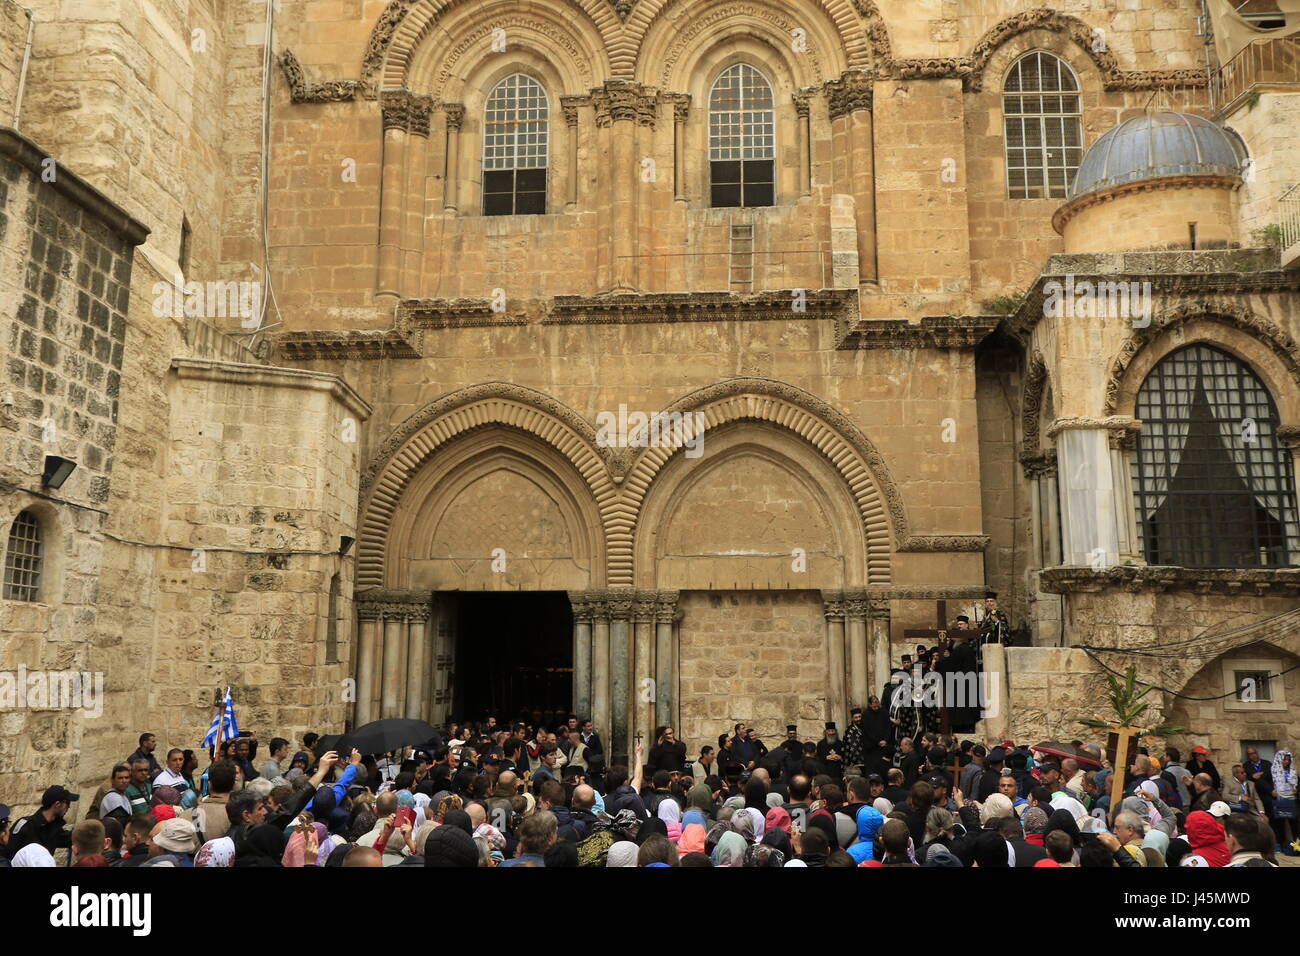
(1158, 144)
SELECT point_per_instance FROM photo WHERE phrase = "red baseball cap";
(1199, 750)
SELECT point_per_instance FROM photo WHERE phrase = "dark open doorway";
(514, 656)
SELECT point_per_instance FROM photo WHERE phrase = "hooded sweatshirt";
(869, 821)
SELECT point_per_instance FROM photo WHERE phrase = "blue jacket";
(869, 821)
(340, 788)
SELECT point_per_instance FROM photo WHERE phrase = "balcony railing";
(1272, 60)
(1288, 214)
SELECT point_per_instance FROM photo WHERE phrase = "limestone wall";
(13, 38)
(758, 657)
(1267, 131)
(1049, 689)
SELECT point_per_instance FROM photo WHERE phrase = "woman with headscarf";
(778, 818)
(1034, 820)
(730, 850)
(713, 835)
(760, 854)
(1155, 844)
(743, 824)
(671, 815)
(780, 840)
(822, 820)
(1063, 820)
(650, 828)
(216, 853)
(757, 817)
(1284, 801)
(622, 854)
(994, 808)
(699, 805)
(262, 845)
(692, 839)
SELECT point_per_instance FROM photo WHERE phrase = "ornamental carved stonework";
(623, 8)
(681, 104)
(851, 92)
(455, 113)
(570, 105)
(300, 91)
(624, 101)
(377, 47)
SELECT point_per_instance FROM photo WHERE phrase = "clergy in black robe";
(830, 752)
(961, 683)
(877, 731)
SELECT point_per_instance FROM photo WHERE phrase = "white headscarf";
(669, 812)
(760, 822)
(219, 852)
(622, 853)
(33, 854)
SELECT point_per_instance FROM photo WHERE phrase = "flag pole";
(221, 721)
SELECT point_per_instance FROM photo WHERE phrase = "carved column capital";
(418, 109)
(620, 604)
(833, 605)
(622, 100)
(681, 104)
(880, 609)
(569, 105)
(857, 610)
(850, 93)
(395, 107)
(1288, 436)
(666, 607)
(802, 102)
(455, 113)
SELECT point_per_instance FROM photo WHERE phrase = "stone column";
(600, 671)
(665, 660)
(1121, 453)
(417, 163)
(802, 107)
(570, 104)
(850, 111)
(835, 683)
(394, 108)
(393, 686)
(681, 111)
(857, 610)
(444, 648)
(455, 113)
(623, 106)
(581, 654)
(645, 689)
(417, 669)
(367, 641)
(879, 647)
(620, 666)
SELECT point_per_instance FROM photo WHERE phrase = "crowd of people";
(484, 794)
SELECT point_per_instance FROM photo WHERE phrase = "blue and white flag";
(225, 720)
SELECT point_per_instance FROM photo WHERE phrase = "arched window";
(742, 138)
(515, 148)
(332, 627)
(1213, 486)
(1041, 121)
(24, 554)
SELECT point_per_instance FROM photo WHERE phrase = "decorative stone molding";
(306, 346)
(945, 544)
(623, 8)
(681, 104)
(1031, 404)
(624, 101)
(453, 314)
(883, 594)
(851, 92)
(455, 113)
(873, 24)
(932, 332)
(620, 309)
(1235, 316)
(376, 48)
(1272, 582)
(390, 604)
(1111, 423)
(570, 105)
(300, 91)
(1039, 465)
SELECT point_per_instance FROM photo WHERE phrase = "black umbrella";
(393, 733)
(339, 742)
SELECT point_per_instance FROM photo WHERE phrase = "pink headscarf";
(692, 840)
(295, 854)
(778, 818)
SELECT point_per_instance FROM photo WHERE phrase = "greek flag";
(226, 721)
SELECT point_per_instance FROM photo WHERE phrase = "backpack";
(1170, 784)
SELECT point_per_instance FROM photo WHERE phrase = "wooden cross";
(932, 636)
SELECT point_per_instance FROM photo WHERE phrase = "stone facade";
(431, 382)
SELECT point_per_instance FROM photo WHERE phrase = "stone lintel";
(1071, 579)
(932, 332)
(307, 345)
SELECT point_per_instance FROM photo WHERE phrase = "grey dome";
(1158, 144)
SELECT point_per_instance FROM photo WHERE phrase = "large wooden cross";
(932, 635)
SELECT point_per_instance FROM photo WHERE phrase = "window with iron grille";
(742, 139)
(515, 140)
(1213, 486)
(1042, 126)
(1252, 686)
(23, 557)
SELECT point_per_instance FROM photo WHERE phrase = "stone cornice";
(305, 346)
(1259, 582)
(1155, 184)
(944, 543)
(696, 307)
(300, 91)
(272, 377)
(453, 314)
(932, 332)
(26, 153)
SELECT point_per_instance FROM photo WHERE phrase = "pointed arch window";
(515, 148)
(742, 138)
(1042, 124)
(1213, 486)
(24, 557)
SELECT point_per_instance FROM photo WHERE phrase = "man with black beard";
(877, 732)
(855, 755)
(830, 752)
